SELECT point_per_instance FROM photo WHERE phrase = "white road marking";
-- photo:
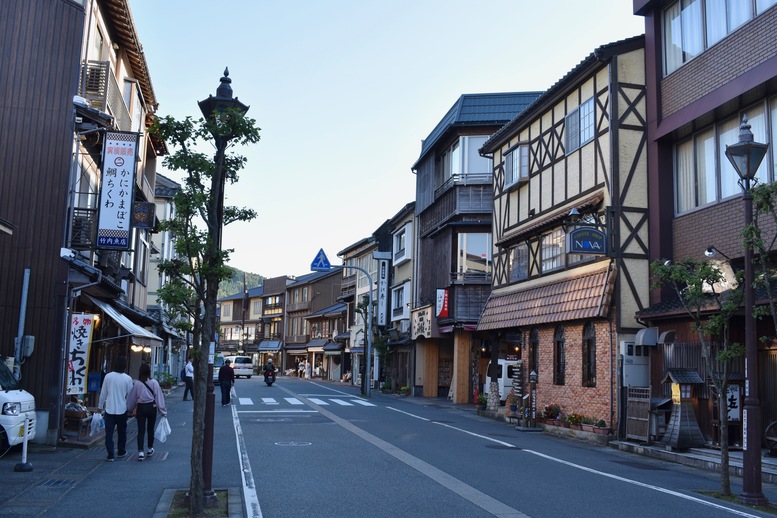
(269, 401)
(362, 402)
(341, 402)
(245, 401)
(318, 401)
(253, 509)
(294, 401)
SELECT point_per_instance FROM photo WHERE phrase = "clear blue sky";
(346, 90)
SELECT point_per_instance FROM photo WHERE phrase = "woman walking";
(147, 399)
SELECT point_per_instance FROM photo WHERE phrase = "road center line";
(459, 487)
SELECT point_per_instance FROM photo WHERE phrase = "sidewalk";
(67, 481)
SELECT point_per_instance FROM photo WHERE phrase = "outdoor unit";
(635, 364)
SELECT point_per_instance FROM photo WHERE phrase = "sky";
(345, 91)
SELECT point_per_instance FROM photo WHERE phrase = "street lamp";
(746, 156)
(216, 111)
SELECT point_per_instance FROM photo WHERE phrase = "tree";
(710, 307)
(200, 262)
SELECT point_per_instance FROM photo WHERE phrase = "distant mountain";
(235, 284)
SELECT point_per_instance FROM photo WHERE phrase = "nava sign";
(586, 240)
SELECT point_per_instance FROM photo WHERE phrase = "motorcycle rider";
(268, 369)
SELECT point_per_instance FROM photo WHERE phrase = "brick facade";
(572, 396)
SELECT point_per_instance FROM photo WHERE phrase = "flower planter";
(601, 431)
(587, 427)
(575, 426)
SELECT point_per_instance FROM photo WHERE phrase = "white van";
(506, 368)
(17, 407)
(242, 365)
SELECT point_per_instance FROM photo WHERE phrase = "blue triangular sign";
(320, 263)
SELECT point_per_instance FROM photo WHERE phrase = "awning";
(333, 349)
(139, 335)
(317, 345)
(577, 298)
(296, 348)
(356, 350)
(270, 346)
(342, 337)
(683, 376)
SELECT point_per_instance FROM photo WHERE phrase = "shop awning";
(270, 346)
(296, 348)
(343, 337)
(333, 348)
(139, 335)
(576, 298)
(317, 345)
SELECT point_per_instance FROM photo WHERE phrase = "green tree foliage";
(199, 262)
(699, 287)
(234, 284)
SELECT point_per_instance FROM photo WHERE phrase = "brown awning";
(576, 298)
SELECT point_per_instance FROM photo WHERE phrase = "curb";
(234, 502)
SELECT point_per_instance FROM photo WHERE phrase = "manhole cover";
(293, 443)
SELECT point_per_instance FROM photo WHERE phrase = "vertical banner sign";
(117, 190)
(78, 352)
(382, 291)
(442, 303)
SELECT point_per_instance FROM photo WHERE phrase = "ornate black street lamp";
(216, 111)
(746, 156)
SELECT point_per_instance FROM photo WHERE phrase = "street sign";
(320, 263)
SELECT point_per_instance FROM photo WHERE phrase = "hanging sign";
(78, 352)
(117, 190)
(586, 240)
(442, 303)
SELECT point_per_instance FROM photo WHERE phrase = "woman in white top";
(147, 399)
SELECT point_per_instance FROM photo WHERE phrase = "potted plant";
(575, 421)
(404, 390)
(601, 427)
(482, 401)
(550, 413)
(587, 424)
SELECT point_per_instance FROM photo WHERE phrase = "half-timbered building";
(570, 231)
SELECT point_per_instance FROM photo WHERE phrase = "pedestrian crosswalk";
(297, 402)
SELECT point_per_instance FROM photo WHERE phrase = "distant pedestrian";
(308, 370)
(301, 369)
(146, 398)
(226, 381)
(189, 371)
(113, 399)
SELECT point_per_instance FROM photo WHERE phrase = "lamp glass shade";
(746, 157)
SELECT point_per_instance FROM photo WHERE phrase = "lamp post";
(215, 110)
(746, 156)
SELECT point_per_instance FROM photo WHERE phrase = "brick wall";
(731, 57)
(572, 396)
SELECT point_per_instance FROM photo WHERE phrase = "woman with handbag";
(146, 398)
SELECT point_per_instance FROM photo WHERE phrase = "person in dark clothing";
(189, 379)
(226, 380)
(268, 368)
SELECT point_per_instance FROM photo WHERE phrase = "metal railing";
(100, 88)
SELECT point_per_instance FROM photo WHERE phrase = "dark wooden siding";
(40, 42)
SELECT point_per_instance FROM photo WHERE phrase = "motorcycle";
(269, 378)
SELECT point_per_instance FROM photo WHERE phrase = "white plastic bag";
(163, 430)
(232, 392)
(97, 424)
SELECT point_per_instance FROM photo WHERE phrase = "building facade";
(570, 232)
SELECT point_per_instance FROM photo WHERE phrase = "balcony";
(299, 306)
(471, 277)
(457, 198)
(83, 233)
(100, 88)
(297, 339)
(466, 302)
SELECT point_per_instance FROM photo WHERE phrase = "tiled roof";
(479, 109)
(682, 376)
(582, 297)
(165, 187)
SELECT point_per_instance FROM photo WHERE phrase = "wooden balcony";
(456, 200)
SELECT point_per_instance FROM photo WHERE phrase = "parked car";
(218, 361)
(242, 365)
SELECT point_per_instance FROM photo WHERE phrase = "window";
(589, 355)
(517, 165)
(403, 244)
(553, 250)
(692, 26)
(534, 351)
(226, 310)
(579, 126)
(257, 307)
(142, 257)
(474, 253)
(702, 172)
(559, 356)
(519, 262)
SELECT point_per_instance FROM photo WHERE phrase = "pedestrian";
(113, 399)
(146, 399)
(226, 380)
(301, 368)
(308, 369)
(189, 371)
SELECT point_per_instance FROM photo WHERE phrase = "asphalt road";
(316, 448)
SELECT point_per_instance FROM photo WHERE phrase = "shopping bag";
(163, 430)
(232, 392)
(97, 424)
